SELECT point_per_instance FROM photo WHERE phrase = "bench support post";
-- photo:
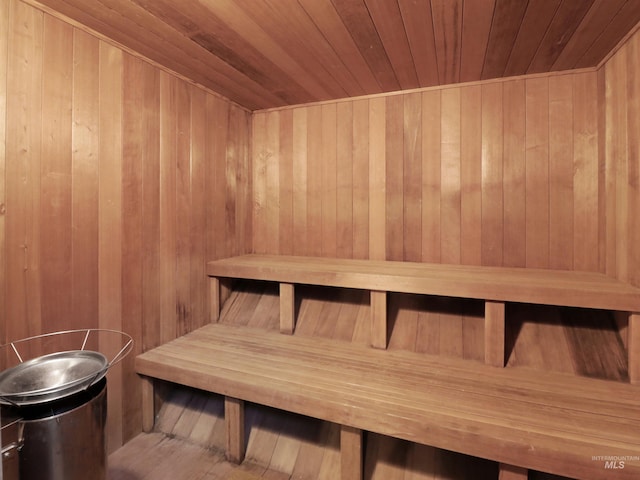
(350, 453)
(378, 319)
(510, 472)
(148, 404)
(234, 427)
(633, 347)
(494, 330)
(214, 295)
(219, 290)
(287, 308)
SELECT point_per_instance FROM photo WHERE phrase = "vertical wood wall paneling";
(360, 176)
(514, 173)
(240, 140)
(217, 127)
(471, 171)
(537, 172)
(633, 124)
(587, 174)
(285, 181)
(505, 176)
(561, 172)
(431, 176)
(85, 181)
(273, 181)
(621, 120)
(183, 210)
(110, 229)
(56, 207)
(299, 179)
(450, 176)
(377, 179)
(412, 178)
(4, 63)
(109, 157)
(492, 174)
(611, 134)
(603, 179)
(199, 300)
(259, 130)
(314, 181)
(617, 156)
(149, 123)
(620, 132)
(168, 200)
(133, 145)
(344, 180)
(394, 160)
(328, 158)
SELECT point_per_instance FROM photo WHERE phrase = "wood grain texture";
(234, 420)
(288, 52)
(499, 173)
(494, 334)
(633, 346)
(287, 308)
(633, 123)
(621, 162)
(55, 180)
(110, 226)
(4, 63)
(91, 156)
(509, 472)
(24, 140)
(537, 346)
(107, 203)
(514, 173)
(537, 173)
(302, 375)
(351, 459)
(561, 172)
(379, 326)
(502, 284)
(148, 404)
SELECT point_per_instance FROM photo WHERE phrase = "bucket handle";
(123, 352)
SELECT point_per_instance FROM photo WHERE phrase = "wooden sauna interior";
(140, 139)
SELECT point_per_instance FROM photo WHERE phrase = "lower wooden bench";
(523, 419)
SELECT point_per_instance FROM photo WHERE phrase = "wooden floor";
(156, 456)
(189, 437)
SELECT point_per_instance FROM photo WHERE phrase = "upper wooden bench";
(494, 285)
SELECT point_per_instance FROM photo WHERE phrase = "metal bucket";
(11, 434)
(65, 439)
(60, 400)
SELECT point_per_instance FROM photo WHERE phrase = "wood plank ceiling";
(269, 53)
